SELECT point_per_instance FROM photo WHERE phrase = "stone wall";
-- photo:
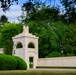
(1, 51)
(58, 61)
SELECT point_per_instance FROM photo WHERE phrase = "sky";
(15, 10)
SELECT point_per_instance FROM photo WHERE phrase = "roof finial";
(25, 29)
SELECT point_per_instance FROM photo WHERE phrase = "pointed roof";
(25, 33)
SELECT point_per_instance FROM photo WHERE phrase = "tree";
(43, 23)
(49, 13)
(7, 32)
(50, 35)
(54, 54)
(70, 40)
(28, 6)
(31, 6)
(33, 10)
(70, 8)
(3, 20)
(0, 40)
(5, 4)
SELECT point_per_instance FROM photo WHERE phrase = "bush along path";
(8, 62)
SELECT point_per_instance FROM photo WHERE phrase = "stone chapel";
(26, 47)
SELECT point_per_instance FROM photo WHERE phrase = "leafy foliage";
(50, 36)
(46, 24)
(7, 62)
(54, 54)
(21, 64)
(0, 40)
(49, 13)
(46, 27)
(5, 4)
(7, 32)
(28, 6)
(70, 14)
(3, 19)
(70, 40)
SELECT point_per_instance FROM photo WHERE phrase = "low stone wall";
(58, 61)
(1, 50)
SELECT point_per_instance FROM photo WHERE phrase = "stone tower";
(26, 46)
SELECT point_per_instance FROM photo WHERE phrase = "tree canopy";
(7, 32)
(5, 4)
(48, 28)
(3, 19)
(70, 8)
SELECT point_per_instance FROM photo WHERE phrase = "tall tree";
(7, 32)
(50, 35)
(3, 20)
(43, 23)
(49, 14)
(70, 8)
(70, 40)
(5, 4)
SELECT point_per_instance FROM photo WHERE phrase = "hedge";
(8, 62)
(21, 64)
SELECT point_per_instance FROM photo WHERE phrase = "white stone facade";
(25, 52)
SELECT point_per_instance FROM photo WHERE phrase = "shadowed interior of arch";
(19, 45)
(31, 45)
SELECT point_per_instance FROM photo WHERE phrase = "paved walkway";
(54, 69)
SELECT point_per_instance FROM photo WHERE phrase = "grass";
(39, 72)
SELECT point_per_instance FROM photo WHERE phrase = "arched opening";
(31, 45)
(19, 45)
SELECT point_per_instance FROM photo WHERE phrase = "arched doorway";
(31, 58)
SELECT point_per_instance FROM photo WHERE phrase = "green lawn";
(39, 72)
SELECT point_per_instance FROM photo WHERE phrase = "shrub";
(54, 54)
(21, 64)
(70, 54)
(7, 62)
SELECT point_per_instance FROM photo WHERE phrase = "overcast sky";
(15, 11)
